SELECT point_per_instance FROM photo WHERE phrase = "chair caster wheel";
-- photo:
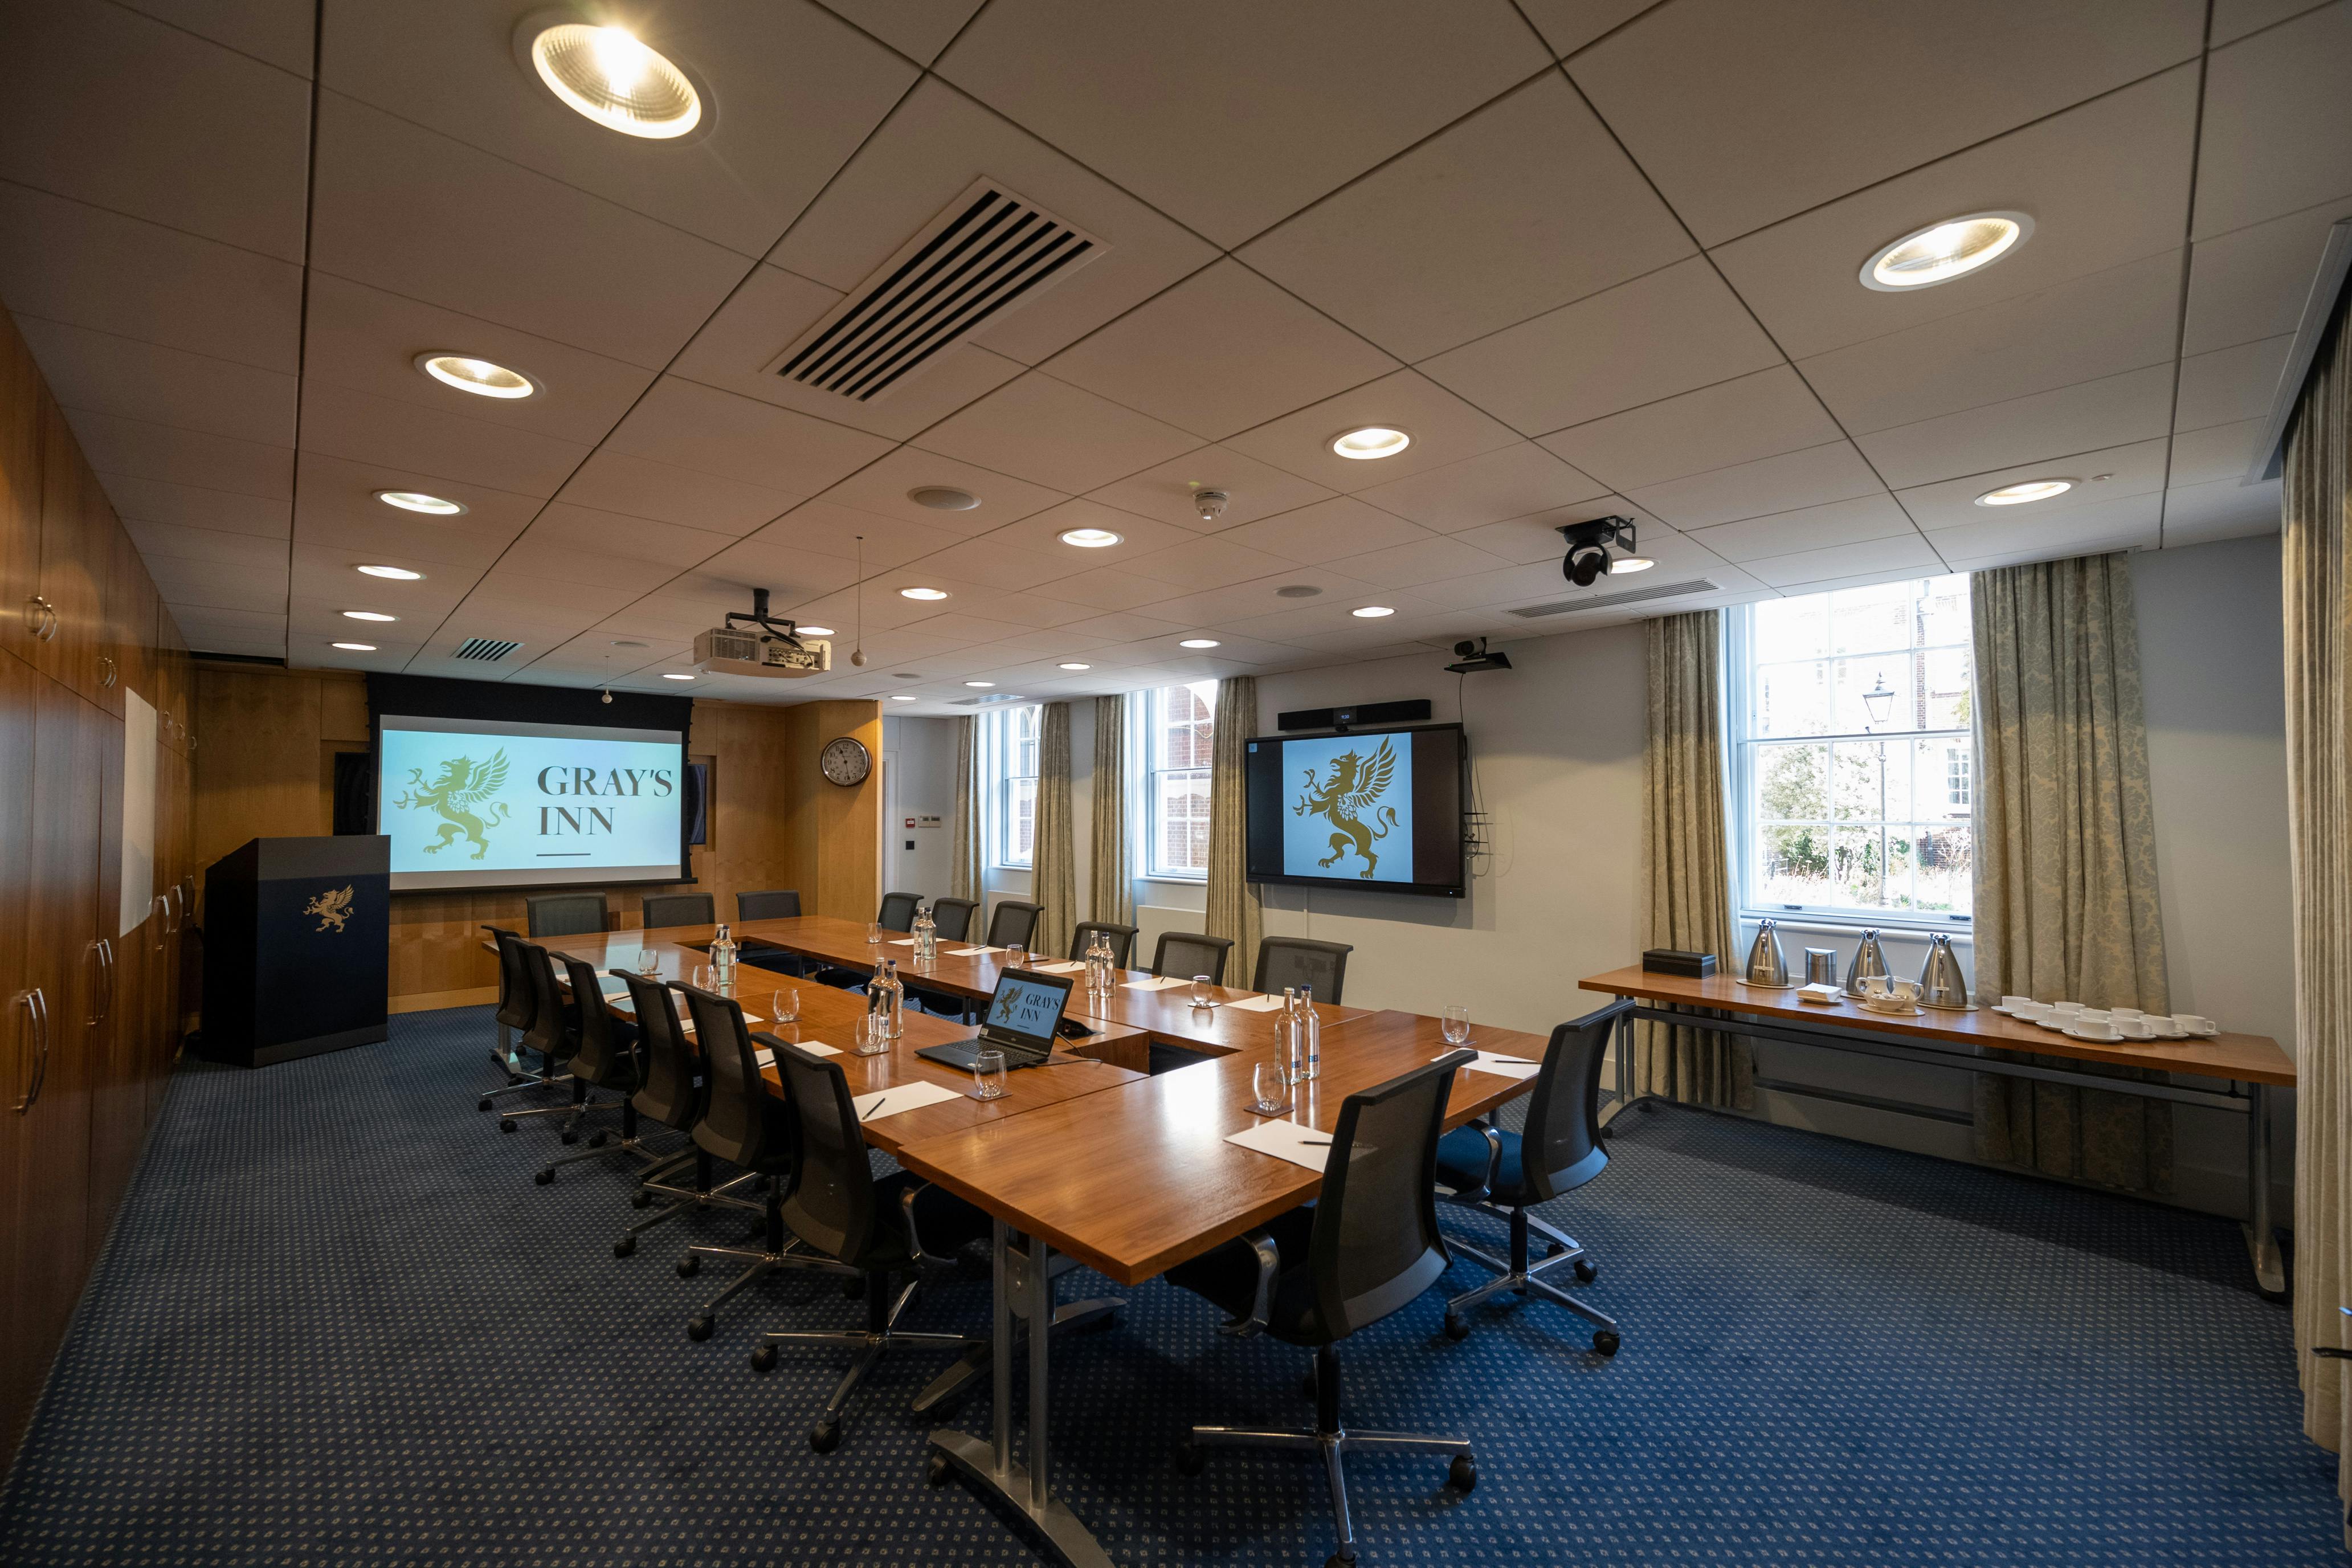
(505, 1124)
(1306, 1383)
(641, 1199)
(483, 1103)
(699, 1327)
(689, 1265)
(1462, 1475)
(937, 1469)
(599, 1141)
(1604, 1342)
(1336, 1561)
(1553, 1249)
(514, 1080)
(763, 1359)
(1456, 1326)
(625, 1246)
(853, 1289)
(1586, 1272)
(544, 1174)
(824, 1436)
(572, 1135)
(1191, 1460)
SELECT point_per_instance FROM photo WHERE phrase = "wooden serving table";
(2235, 1071)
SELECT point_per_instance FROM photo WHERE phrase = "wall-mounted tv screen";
(471, 802)
(1377, 809)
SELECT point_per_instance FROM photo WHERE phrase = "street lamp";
(1879, 700)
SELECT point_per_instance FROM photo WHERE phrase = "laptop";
(1020, 1021)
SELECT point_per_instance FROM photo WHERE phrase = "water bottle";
(722, 958)
(926, 937)
(1291, 1040)
(885, 1001)
(1098, 962)
(1311, 1027)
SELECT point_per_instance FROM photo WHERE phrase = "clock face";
(845, 761)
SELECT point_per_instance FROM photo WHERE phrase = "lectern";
(297, 944)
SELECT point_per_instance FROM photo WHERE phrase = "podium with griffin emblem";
(298, 943)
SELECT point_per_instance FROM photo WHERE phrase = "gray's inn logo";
(332, 909)
(464, 783)
(1355, 786)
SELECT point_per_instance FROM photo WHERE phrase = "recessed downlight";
(1092, 538)
(2025, 490)
(943, 498)
(1077, 667)
(397, 574)
(626, 642)
(368, 615)
(1373, 612)
(479, 376)
(676, 675)
(922, 592)
(902, 696)
(354, 646)
(816, 631)
(614, 79)
(1297, 591)
(417, 501)
(1943, 251)
(1621, 564)
(1199, 642)
(1367, 441)
(982, 684)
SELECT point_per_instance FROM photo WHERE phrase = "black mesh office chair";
(1182, 954)
(674, 1094)
(869, 1226)
(563, 914)
(1122, 940)
(554, 1033)
(1013, 924)
(953, 918)
(518, 1005)
(661, 909)
(777, 904)
(1288, 962)
(898, 912)
(608, 1059)
(748, 1125)
(1366, 1248)
(1506, 1173)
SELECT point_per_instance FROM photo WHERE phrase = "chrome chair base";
(870, 1343)
(1524, 1276)
(690, 1199)
(779, 1252)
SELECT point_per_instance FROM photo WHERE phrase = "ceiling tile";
(278, 32)
(993, 565)
(544, 602)
(617, 537)
(886, 486)
(135, 380)
(1038, 611)
(1444, 429)
(571, 267)
(2117, 524)
(1746, 113)
(1210, 563)
(432, 443)
(1738, 421)
(2136, 470)
(1053, 434)
(1253, 490)
(339, 507)
(122, 111)
(325, 574)
(1420, 561)
(1171, 100)
(790, 575)
(1262, 596)
(1898, 552)
(2229, 384)
(1810, 476)
(927, 154)
(1524, 206)
(1124, 626)
(2106, 183)
(2278, 119)
(1324, 531)
(696, 427)
(2215, 453)
(220, 585)
(825, 528)
(919, 29)
(1809, 527)
(2110, 412)
(2224, 510)
(1675, 330)
(2252, 283)
(2233, 19)
(1568, 26)
(231, 631)
(546, 558)
(156, 540)
(1108, 588)
(1138, 535)
(189, 506)
(473, 547)
(146, 450)
(1536, 538)
(1510, 481)
(612, 481)
(1219, 353)
(2093, 327)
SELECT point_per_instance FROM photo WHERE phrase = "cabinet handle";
(106, 971)
(41, 617)
(106, 673)
(162, 921)
(37, 1005)
(32, 1025)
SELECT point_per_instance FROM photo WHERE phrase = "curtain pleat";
(1233, 901)
(1054, 880)
(1686, 864)
(1110, 893)
(964, 876)
(2066, 895)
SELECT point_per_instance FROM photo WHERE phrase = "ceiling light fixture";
(902, 696)
(479, 376)
(2025, 490)
(367, 616)
(1198, 642)
(417, 501)
(1373, 612)
(609, 76)
(1077, 667)
(1369, 441)
(980, 683)
(922, 592)
(1629, 563)
(810, 631)
(1092, 538)
(354, 646)
(674, 674)
(397, 573)
(1943, 251)
(942, 497)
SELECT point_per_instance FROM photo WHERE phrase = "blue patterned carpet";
(337, 1323)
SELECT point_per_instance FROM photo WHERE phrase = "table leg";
(1624, 1100)
(2261, 1240)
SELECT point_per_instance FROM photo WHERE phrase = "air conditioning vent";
(989, 250)
(989, 701)
(490, 650)
(1603, 601)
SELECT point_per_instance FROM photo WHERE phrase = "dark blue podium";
(297, 948)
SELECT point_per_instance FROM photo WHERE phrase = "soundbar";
(1413, 712)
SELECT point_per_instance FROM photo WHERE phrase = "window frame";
(1155, 731)
(1002, 758)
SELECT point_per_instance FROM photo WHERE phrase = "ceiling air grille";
(490, 650)
(1603, 601)
(987, 251)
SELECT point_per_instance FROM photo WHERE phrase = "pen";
(876, 1110)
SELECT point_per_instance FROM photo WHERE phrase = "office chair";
(662, 909)
(1013, 922)
(1367, 1246)
(868, 1227)
(555, 1034)
(898, 912)
(749, 1126)
(779, 904)
(564, 914)
(1288, 962)
(518, 1004)
(1122, 940)
(1506, 1173)
(953, 918)
(1182, 954)
(608, 1057)
(674, 1094)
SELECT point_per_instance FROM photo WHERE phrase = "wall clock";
(845, 761)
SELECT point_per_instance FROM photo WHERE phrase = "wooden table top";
(1140, 1178)
(2248, 1059)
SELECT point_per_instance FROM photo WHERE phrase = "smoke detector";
(1210, 504)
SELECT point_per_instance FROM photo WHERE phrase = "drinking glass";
(1201, 990)
(873, 934)
(784, 1006)
(1456, 1022)
(988, 1075)
(706, 977)
(870, 1039)
(649, 964)
(1015, 956)
(1271, 1087)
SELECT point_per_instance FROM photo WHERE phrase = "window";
(1850, 754)
(1015, 751)
(1180, 728)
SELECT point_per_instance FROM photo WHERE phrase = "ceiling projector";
(761, 645)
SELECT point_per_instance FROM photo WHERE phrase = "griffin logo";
(1354, 788)
(332, 909)
(464, 785)
(1004, 1008)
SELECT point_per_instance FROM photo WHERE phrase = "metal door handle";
(38, 1005)
(32, 1017)
(41, 616)
(94, 950)
(106, 968)
(162, 921)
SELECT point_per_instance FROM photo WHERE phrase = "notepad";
(1057, 967)
(1158, 983)
(1257, 1004)
(686, 1026)
(970, 951)
(1502, 1066)
(766, 1055)
(906, 1096)
(1287, 1140)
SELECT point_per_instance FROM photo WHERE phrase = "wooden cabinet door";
(76, 559)
(20, 493)
(118, 1100)
(130, 619)
(20, 686)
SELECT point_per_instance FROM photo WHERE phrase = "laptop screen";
(1027, 1006)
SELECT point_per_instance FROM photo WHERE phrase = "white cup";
(2065, 1009)
(2016, 1004)
(2195, 1023)
(2159, 1022)
(2120, 1014)
(2027, 1010)
(2133, 1029)
(2096, 1029)
(2093, 1016)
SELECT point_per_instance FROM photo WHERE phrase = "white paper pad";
(686, 1025)
(1158, 983)
(970, 951)
(1057, 967)
(1287, 1140)
(906, 1096)
(1489, 1062)
(903, 942)
(766, 1056)
(1257, 1004)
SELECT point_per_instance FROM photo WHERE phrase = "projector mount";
(784, 626)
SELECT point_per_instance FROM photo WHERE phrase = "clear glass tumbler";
(1271, 1087)
(1203, 992)
(1456, 1024)
(988, 1075)
(784, 1006)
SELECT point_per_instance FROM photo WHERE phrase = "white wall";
(918, 776)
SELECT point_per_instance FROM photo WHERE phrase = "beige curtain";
(1685, 864)
(2066, 854)
(1054, 870)
(964, 876)
(1233, 897)
(1110, 890)
(2319, 594)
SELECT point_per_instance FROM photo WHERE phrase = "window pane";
(1792, 784)
(1021, 821)
(1793, 700)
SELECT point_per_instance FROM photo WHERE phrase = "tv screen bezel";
(1455, 889)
